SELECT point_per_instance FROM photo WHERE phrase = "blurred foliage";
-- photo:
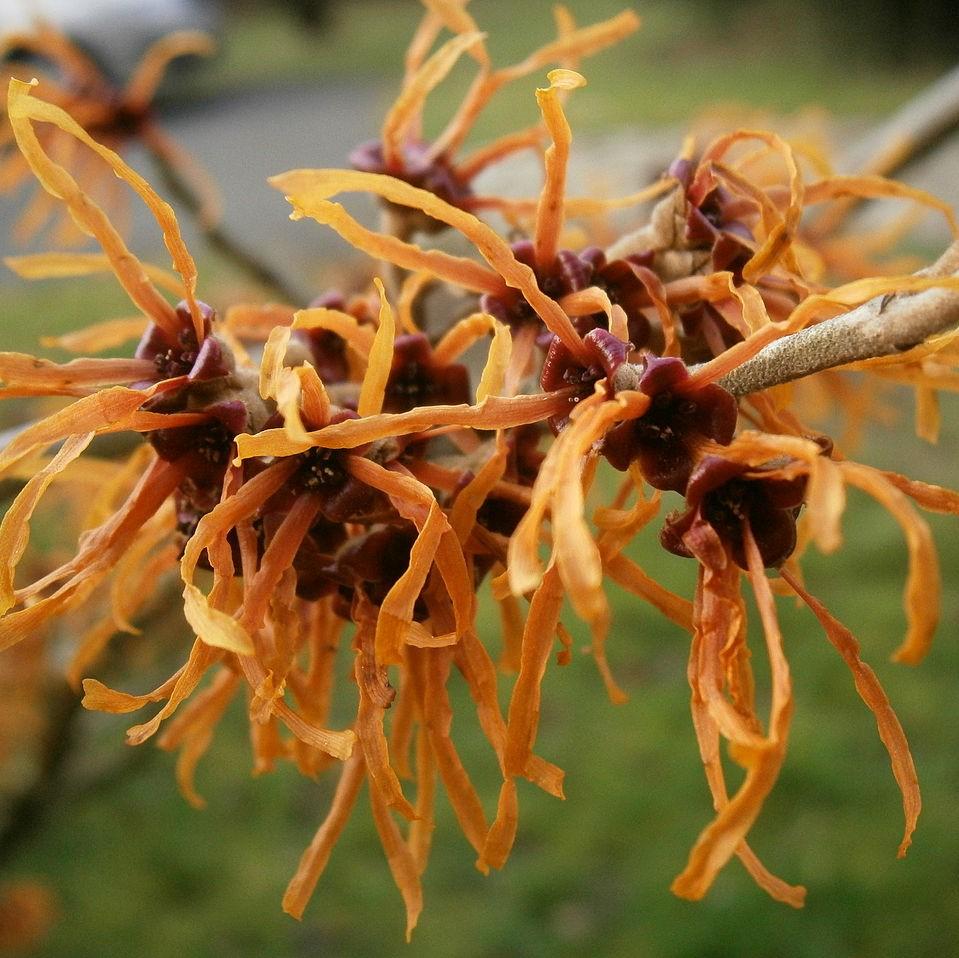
(687, 56)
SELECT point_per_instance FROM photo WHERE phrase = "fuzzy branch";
(881, 327)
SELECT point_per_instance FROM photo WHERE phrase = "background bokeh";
(134, 870)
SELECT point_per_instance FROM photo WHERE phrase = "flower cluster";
(329, 473)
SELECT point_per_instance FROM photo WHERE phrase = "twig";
(881, 327)
(262, 273)
(918, 127)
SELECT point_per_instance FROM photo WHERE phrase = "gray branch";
(918, 127)
(883, 326)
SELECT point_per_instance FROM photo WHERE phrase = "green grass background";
(137, 871)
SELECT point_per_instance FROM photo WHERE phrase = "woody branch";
(883, 326)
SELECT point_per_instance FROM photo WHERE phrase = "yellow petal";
(214, 627)
(15, 528)
(23, 110)
(379, 364)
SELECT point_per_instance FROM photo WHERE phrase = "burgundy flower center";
(729, 505)
(213, 445)
(209, 444)
(416, 167)
(723, 495)
(670, 418)
(411, 384)
(666, 438)
(568, 273)
(321, 469)
(177, 360)
(416, 379)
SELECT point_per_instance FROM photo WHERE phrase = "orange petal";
(312, 864)
(871, 692)
(549, 212)
(15, 528)
(308, 190)
(408, 107)
(23, 110)
(373, 390)
(923, 584)
(720, 840)
(57, 265)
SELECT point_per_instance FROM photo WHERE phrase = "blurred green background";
(137, 871)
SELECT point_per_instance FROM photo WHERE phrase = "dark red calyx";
(315, 561)
(619, 280)
(682, 169)
(182, 355)
(208, 445)
(666, 438)
(714, 222)
(373, 562)
(561, 369)
(706, 332)
(416, 167)
(524, 459)
(327, 351)
(122, 120)
(416, 379)
(727, 496)
(566, 274)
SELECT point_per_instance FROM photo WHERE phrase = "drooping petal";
(720, 840)
(192, 731)
(400, 859)
(539, 637)
(871, 692)
(376, 695)
(373, 389)
(313, 862)
(923, 585)
(15, 528)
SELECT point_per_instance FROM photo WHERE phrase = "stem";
(261, 272)
(883, 326)
(917, 128)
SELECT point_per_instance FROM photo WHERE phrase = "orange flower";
(114, 117)
(435, 167)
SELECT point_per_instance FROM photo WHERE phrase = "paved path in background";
(244, 140)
